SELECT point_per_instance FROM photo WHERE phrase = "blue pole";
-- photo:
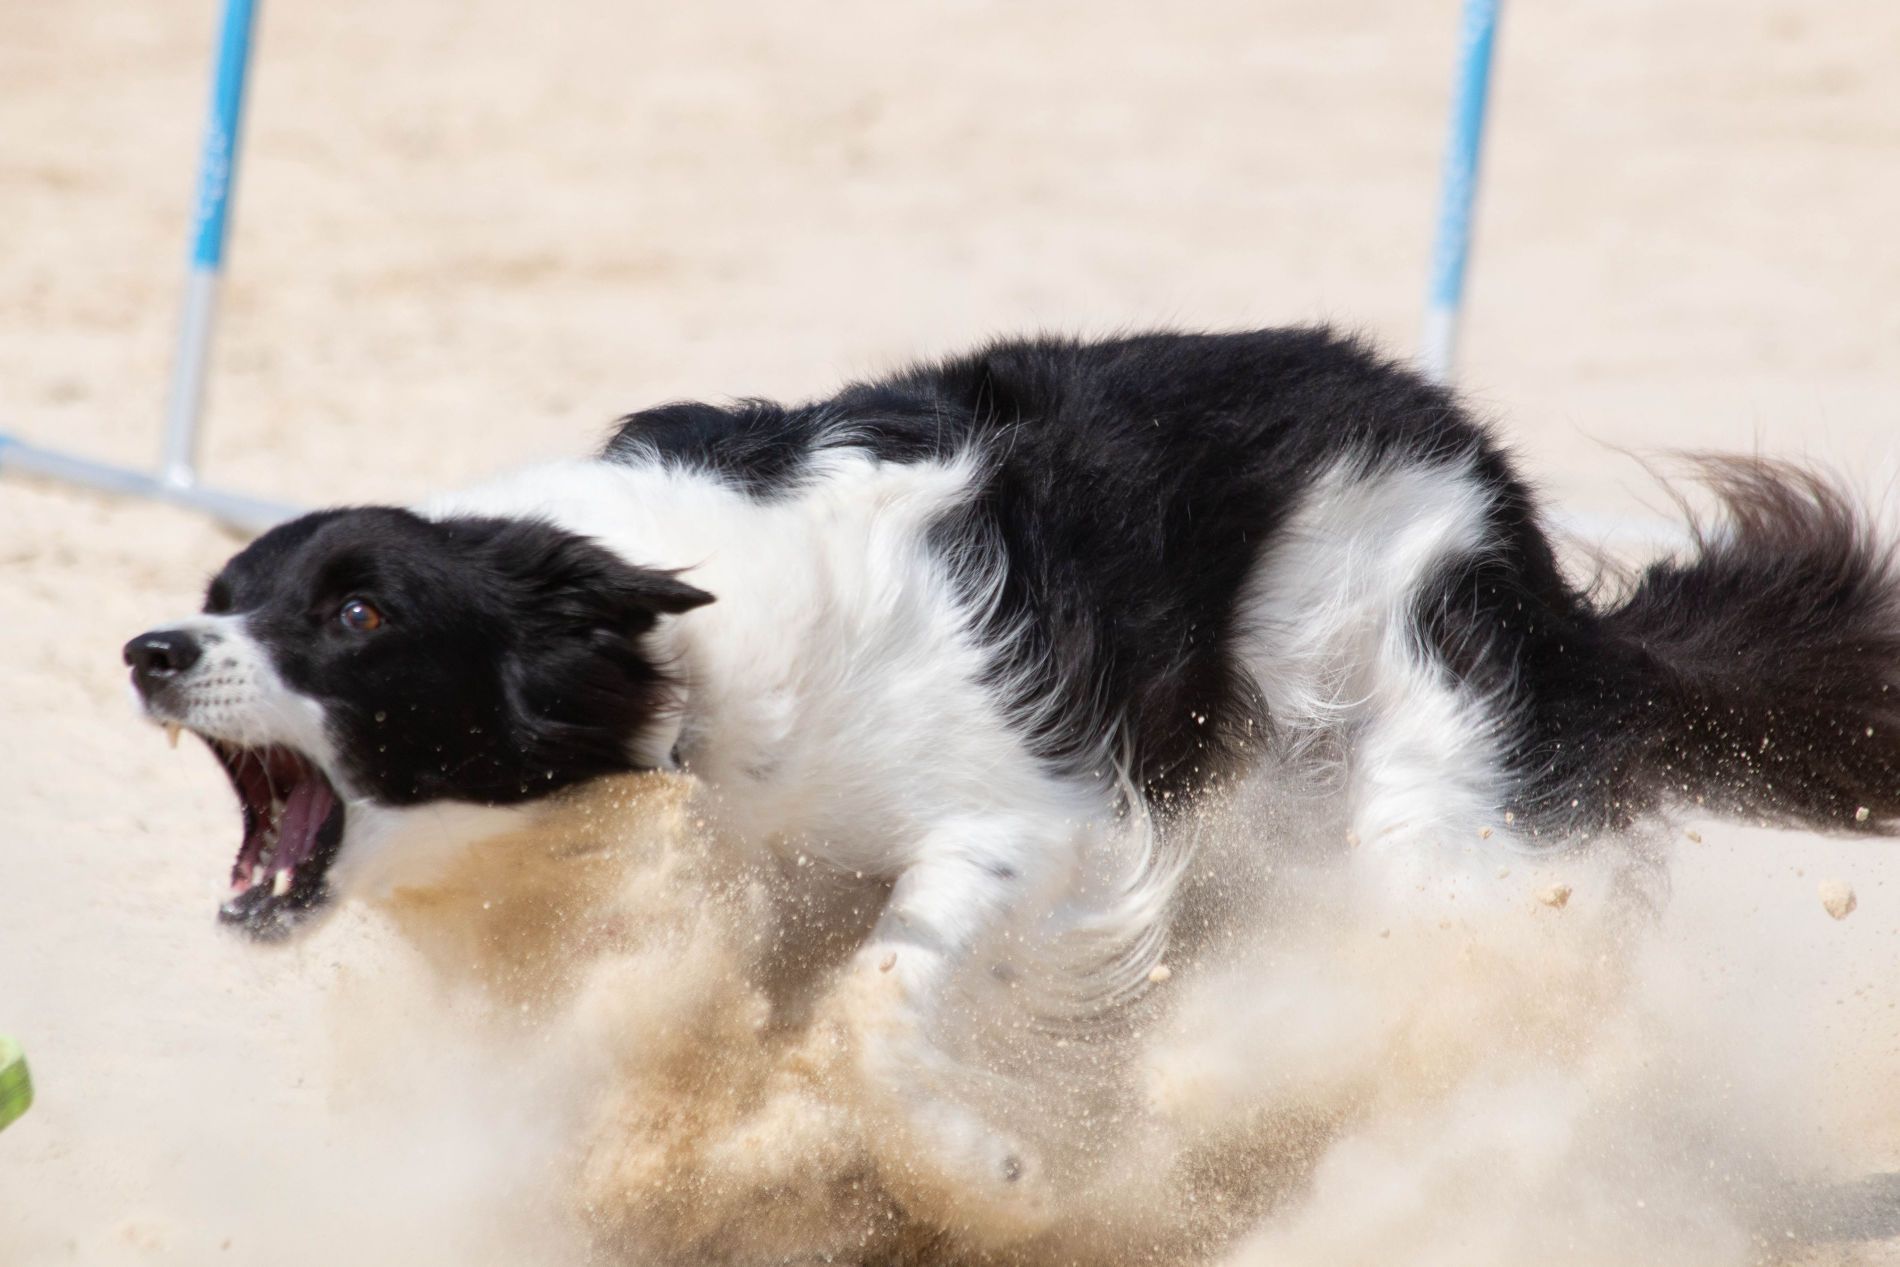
(177, 478)
(1451, 253)
(178, 460)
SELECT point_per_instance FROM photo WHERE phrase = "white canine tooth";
(257, 873)
(281, 885)
(171, 732)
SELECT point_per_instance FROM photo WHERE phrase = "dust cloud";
(620, 1046)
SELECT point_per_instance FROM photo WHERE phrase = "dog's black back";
(1131, 485)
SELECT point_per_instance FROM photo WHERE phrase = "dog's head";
(374, 681)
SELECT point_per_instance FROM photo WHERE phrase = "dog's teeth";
(257, 873)
(281, 885)
(171, 732)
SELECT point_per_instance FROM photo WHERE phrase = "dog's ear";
(662, 593)
(577, 692)
(560, 580)
(614, 594)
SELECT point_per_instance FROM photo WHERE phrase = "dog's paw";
(934, 1138)
(949, 1163)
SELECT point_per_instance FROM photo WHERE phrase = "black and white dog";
(974, 628)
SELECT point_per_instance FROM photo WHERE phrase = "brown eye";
(360, 616)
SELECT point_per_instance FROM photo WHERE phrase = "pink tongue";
(309, 803)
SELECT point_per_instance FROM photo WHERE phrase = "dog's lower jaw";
(260, 913)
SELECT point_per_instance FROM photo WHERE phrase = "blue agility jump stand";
(177, 478)
(1451, 260)
(1458, 188)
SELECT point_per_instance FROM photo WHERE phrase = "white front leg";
(967, 877)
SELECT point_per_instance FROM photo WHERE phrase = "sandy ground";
(469, 234)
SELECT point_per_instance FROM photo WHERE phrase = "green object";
(16, 1085)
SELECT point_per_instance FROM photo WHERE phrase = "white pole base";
(249, 514)
(1437, 343)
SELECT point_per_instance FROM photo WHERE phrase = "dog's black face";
(472, 660)
(359, 660)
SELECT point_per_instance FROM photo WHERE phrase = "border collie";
(980, 629)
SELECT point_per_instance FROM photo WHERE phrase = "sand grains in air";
(1554, 896)
(1837, 898)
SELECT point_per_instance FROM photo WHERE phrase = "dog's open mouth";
(293, 822)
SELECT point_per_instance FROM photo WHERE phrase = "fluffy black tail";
(1757, 675)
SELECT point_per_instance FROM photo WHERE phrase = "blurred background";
(468, 234)
(465, 236)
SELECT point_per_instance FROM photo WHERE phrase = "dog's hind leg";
(1426, 778)
(1342, 662)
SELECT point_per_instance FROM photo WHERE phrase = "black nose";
(161, 654)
